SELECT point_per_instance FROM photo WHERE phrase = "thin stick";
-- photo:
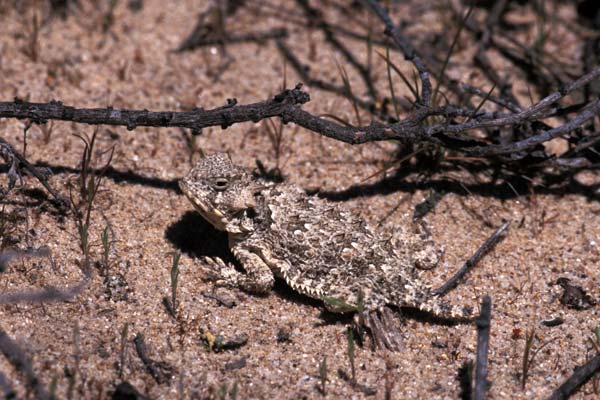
(197, 119)
(17, 357)
(483, 323)
(159, 370)
(6, 387)
(471, 262)
(42, 178)
(579, 377)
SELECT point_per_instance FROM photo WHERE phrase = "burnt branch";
(196, 119)
(581, 375)
(285, 105)
(49, 293)
(483, 323)
(256, 37)
(19, 163)
(161, 371)
(17, 357)
(6, 387)
(471, 262)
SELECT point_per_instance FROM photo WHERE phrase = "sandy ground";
(554, 232)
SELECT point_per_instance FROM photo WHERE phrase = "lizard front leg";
(257, 279)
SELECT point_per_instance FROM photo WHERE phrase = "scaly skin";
(319, 248)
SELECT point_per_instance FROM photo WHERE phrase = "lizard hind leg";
(381, 325)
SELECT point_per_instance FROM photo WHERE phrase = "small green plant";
(26, 128)
(388, 378)
(529, 336)
(542, 36)
(350, 336)
(224, 390)
(32, 50)
(108, 18)
(123, 349)
(323, 374)
(51, 388)
(595, 339)
(413, 87)
(233, 393)
(175, 279)
(338, 303)
(89, 184)
(191, 143)
(47, 129)
(369, 47)
(75, 372)
(360, 308)
(171, 304)
(529, 354)
(482, 102)
(275, 135)
(105, 250)
(70, 375)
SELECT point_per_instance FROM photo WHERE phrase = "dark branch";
(581, 375)
(471, 262)
(21, 362)
(257, 37)
(196, 119)
(19, 162)
(483, 323)
(159, 370)
(286, 106)
(6, 387)
(48, 293)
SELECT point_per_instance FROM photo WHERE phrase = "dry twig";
(579, 377)
(471, 262)
(483, 323)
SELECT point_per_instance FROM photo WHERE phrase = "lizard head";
(222, 193)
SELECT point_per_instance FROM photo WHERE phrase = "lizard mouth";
(208, 212)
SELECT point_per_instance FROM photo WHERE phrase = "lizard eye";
(220, 184)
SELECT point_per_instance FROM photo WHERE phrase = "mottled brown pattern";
(319, 248)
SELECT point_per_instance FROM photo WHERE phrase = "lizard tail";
(444, 310)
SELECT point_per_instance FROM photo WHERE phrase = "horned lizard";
(319, 248)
